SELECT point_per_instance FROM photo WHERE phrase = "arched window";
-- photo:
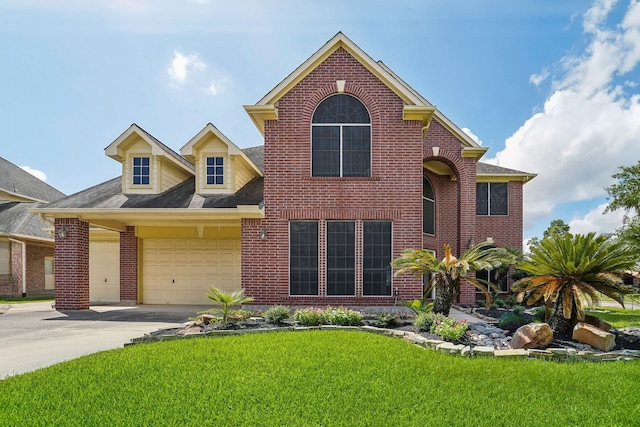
(428, 207)
(341, 138)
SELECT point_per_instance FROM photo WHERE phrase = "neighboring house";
(26, 249)
(356, 167)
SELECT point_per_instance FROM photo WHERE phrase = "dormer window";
(215, 170)
(140, 171)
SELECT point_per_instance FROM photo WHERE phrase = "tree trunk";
(562, 328)
(443, 300)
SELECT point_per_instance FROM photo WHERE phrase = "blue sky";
(551, 87)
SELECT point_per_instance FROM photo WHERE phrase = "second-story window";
(428, 208)
(215, 170)
(492, 198)
(141, 171)
(341, 138)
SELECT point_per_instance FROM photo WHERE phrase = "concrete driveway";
(34, 335)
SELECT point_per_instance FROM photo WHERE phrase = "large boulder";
(597, 322)
(533, 335)
(595, 337)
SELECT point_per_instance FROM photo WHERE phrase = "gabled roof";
(114, 151)
(21, 185)
(416, 107)
(189, 149)
(488, 171)
(17, 221)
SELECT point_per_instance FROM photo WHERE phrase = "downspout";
(24, 265)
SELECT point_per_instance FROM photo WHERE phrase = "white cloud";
(35, 172)
(472, 135)
(537, 79)
(588, 125)
(215, 88)
(183, 65)
(597, 222)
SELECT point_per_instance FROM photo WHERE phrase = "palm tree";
(227, 299)
(448, 273)
(567, 271)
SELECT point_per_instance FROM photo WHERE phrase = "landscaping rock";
(207, 318)
(597, 322)
(596, 338)
(533, 335)
(628, 338)
(513, 353)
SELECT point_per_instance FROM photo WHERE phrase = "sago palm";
(448, 273)
(227, 299)
(568, 271)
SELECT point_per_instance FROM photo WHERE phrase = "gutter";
(24, 265)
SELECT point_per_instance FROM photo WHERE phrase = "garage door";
(179, 271)
(104, 272)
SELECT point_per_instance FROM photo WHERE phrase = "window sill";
(341, 178)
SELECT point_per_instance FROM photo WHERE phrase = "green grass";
(618, 317)
(24, 300)
(317, 378)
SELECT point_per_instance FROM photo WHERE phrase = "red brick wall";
(393, 192)
(72, 265)
(35, 269)
(129, 266)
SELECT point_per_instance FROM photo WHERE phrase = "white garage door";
(180, 271)
(104, 271)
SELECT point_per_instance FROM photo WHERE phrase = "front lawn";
(24, 300)
(617, 317)
(317, 378)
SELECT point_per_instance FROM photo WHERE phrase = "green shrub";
(276, 314)
(424, 320)
(418, 305)
(386, 319)
(518, 309)
(511, 318)
(538, 313)
(449, 329)
(498, 303)
(239, 315)
(310, 316)
(342, 316)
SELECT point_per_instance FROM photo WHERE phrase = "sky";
(550, 87)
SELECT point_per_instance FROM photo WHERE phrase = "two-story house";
(356, 167)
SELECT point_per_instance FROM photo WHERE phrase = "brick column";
(467, 222)
(71, 264)
(129, 266)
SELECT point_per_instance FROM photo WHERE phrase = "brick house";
(26, 247)
(356, 166)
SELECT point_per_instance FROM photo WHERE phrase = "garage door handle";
(105, 280)
(173, 280)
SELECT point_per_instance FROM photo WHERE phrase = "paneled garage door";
(177, 271)
(104, 272)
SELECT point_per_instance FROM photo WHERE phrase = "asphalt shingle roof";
(15, 180)
(487, 169)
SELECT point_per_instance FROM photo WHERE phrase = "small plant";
(310, 316)
(342, 316)
(424, 321)
(449, 329)
(227, 299)
(539, 313)
(511, 318)
(276, 314)
(498, 303)
(239, 315)
(518, 309)
(386, 319)
(417, 306)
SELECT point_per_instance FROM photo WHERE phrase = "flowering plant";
(310, 316)
(449, 329)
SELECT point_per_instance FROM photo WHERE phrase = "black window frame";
(334, 151)
(303, 258)
(340, 258)
(141, 172)
(428, 206)
(377, 254)
(489, 201)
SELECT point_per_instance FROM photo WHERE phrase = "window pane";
(499, 198)
(215, 170)
(427, 189)
(356, 151)
(140, 171)
(482, 198)
(428, 216)
(303, 258)
(325, 149)
(341, 245)
(145, 180)
(376, 258)
(341, 109)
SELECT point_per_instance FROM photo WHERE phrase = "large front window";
(376, 258)
(341, 258)
(303, 257)
(141, 171)
(492, 198)
(341, 138)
